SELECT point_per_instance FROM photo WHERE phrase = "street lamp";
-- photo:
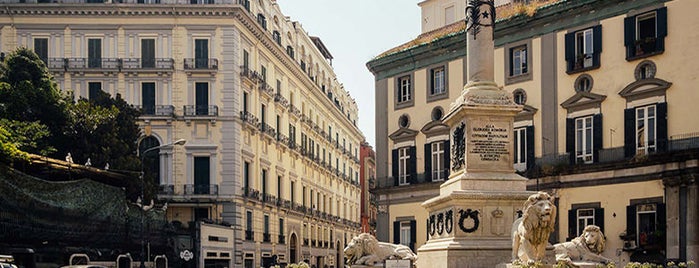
(143, 196)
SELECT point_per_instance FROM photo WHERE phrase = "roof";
(321, 47)
(504, 12)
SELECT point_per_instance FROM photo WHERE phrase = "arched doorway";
(292, 249)
(151, 161)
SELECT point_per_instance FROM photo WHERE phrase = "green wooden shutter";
(599, 218)
(201, 175)
(396, 232)
(412, 164)
(413, 234)
(661, 21)
(394, 166)
(148, 53)
(148, 98)
(572, 224)
(596, 136)
(530, 146)
(630, 35)
(428, 161)
(570, 51)
(662, 218)
(596, 45)
(630, 132)
(661, 127)
(202, 98)
(94, 53)
(570, 139)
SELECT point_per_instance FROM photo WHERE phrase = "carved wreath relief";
(458, 147)
(443, 222)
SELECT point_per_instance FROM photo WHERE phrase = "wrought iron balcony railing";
(166, 189)
(266, 237)
(201, 110)
(200, 64)
(155, 63)
(202, 189)
(157, 110)
(249, 235)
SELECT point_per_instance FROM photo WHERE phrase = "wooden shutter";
(413, 234)
(599, 218)
(596, 45)
(570, 139)
(394, 166)
(428, 161)
(630, 132)
(661, 127)
(570, 51)
(447, 159)
(201, 175)
(202, 98)
(661, 21)
(412, 164)
(630, 35)
(662, 218)
(396, 232)
(631, 221)
(148, 97)
(530, 146)
(572, 224)
(596, 136)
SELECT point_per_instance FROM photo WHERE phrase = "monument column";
(470, 222)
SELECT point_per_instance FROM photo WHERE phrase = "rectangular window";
(281, 227)
(583, 49)
(292, 192)
(438, 167)
(95, 89)
(246, 177)
(246, 60)
(201, 175)
(265, 234)
(437, 77)
(405, 238)
(518, 60)
(41, 48)
(449, 15)
(303, 195)
(264, 183)
(403, 160)
(404, 93)
(248, 223)
(147, 53)
(263, 73)
(245, 102)
(584, 217)
(646, 225)
(201, 53)
(583, 140)
(279, 186)
(94, 53)
(645, 34)
(201, 96)
(645, 130)
(148, 98)
(520, 146)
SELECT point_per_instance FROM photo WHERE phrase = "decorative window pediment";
(583, 101)
(403, 134)
(434, 128)
(527, 113)
(645, 88)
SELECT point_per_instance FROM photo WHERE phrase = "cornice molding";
(583, 100)
(403, 134)
(645, 88)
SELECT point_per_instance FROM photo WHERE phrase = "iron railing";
(154, 63)
(203, 189)
(201, 110)
(157, 110)
(200, 64)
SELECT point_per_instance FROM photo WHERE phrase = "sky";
(356, 31)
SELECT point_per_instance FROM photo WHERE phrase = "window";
(281, 231)
(95, 89)
(645, 70)
(148, 98)
(646, 225)
(518, 58)
(248, 226)
(404, 233)
(194, 2)
(279, 186)
(404, 89)
(277, 37)
(582, 215)
(264, 183)
(404, 121)
(403, 158)
(265, 234)
(583, 83)
(519, 96)
(644, 34)
(583, 49)
(303, 195)
(147, 53)
(290, 51)
(438, 161)
(585, 217)
(201, 53)
(583, 140)
(263, 73)
(292, 192)
(437, 80)
(94, 53)
(201, 98)
(246, 177)
(262, 21)
(245, 103)
(41, 48)
(520, 147)
(645, 130)
(246, 60)
(449, 15)
(437, 113)
(201, 175)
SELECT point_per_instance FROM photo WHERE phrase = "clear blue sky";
(355, 32)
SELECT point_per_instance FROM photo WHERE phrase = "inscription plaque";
(489, 145)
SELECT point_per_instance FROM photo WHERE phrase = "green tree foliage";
(28, 136)
(8, 147)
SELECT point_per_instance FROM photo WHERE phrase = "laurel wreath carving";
(449, 221)
(468, 213)
(432, 223)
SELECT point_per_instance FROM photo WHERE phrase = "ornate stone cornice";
(101, 10)
(583, 100)
(527, 113)
(645, 88)
(434, 128)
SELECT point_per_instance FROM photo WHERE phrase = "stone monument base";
(470, 253)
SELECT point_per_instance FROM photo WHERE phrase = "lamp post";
(143, 196)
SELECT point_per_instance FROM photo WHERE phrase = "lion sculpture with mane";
(365, 249)
(586, 248)
(530, 233)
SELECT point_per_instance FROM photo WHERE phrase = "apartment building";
(367, 182)
(606, 87)
(272, 147)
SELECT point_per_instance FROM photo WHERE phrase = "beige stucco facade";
(272, 147)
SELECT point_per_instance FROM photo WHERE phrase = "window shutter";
(412, 164)
(597, 45)
(662, 218)
(572, 224)
(428, 161)
(596, 136)
(447, 158)
(396, 232)
(413, 234)
(511, 60)
(661, 131)
(631, 221)
(530, 146)
(599, 218)
(629, 132)
(570, 139)
(629, 35)
(662, 22)
(570, 50)
(394, 166)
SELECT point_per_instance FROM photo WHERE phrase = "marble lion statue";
(530, 233)
(364, 249)
(587, 247)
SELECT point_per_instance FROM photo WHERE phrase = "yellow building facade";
(605, 88)
(272, 151)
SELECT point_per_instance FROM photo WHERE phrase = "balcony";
(166, 189)
(265, 89)
(250, 192)
(282, 139)
(249, 235)
(157, 110)
(269, 130)
(200, 110)
(646, 47)
(203, 189)
(200, 65)
(294, 111)
(156, 64)
(266, 238)
(84, 64)
(279, 99)
(248, 75)
(282, 239)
